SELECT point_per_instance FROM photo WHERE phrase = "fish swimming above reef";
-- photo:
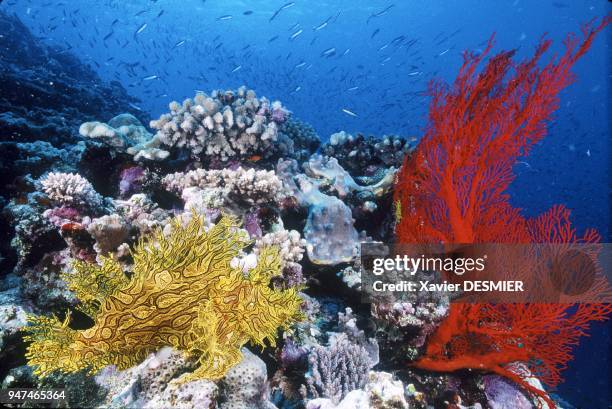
(380, 13)
(284, 7)
(140, 29)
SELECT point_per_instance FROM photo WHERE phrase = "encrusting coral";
(126, 134)
(183, 293)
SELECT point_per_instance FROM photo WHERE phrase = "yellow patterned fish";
(183, 293)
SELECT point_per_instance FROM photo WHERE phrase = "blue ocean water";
(361, 66)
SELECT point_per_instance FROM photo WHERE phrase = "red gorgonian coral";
(452, 189)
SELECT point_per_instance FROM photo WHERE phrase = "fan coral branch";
(493, 337)
(453, 190)
(183, 293)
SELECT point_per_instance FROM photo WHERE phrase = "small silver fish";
(150, 78)
(141, 29)
(297, 33)
(350, 113)
(320, 26)
(238, 68)
(328, 52)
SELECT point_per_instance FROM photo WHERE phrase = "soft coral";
(452, 189)
(494, 338)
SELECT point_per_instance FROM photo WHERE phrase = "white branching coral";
(71, 189)
(289, 242)
(224, 125)
(240, 185)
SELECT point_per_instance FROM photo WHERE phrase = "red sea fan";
(452, 189)
(495, 338)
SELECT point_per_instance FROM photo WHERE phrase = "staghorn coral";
(337, 369)
(183, 293)
(71, 189)
(224, 125)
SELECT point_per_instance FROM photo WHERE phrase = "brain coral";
(183, 293)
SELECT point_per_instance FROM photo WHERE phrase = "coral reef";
(302, 136)
(244, 385)
(255, 187)
(214, 262)
(13, 315)
(501, 394)
(380, 392)
(152, 384)
(329, 220)
(53, 98)
(126, 134)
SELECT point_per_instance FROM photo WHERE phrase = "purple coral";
(292, 276)
(252, 225)
(292, 355)
(131, 180)
(58, 216)
(338, 369)
(279, 114)
(501, 394)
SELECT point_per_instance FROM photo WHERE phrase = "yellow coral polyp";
(183, 293)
